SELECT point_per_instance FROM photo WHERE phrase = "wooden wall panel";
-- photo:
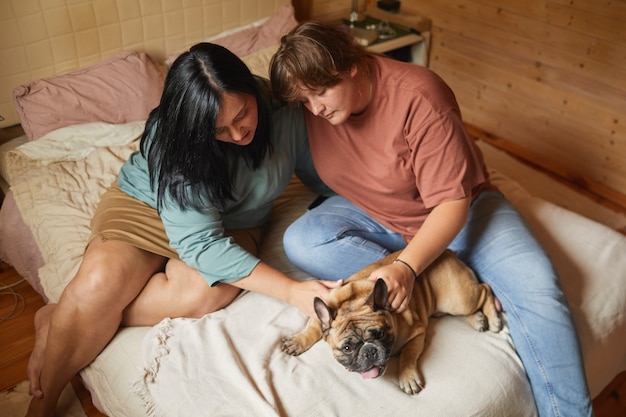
(547, 77)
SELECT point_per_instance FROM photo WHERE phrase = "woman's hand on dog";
(303, 293)
(400, 282)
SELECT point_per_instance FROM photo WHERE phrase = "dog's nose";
(369, 351)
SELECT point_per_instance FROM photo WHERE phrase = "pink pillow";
(121, 89)
(254, 38)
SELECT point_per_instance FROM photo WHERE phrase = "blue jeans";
(498, 245)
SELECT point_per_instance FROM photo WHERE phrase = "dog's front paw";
(410, 382)
(303, 340)
(478, 321)
(496, 324)
(293, 345)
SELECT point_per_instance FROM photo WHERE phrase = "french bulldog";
(364, 333)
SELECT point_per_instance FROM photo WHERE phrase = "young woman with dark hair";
(388, 137)
(177, 235)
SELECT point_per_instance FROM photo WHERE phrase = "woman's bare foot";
(36, 409)
(35, 362)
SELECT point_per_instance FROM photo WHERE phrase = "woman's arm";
(439, 229)
(200, 242)
(268, 281)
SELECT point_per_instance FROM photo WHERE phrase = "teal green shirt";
(198, 237)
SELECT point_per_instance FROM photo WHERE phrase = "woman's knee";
(306, 253)
(295, 242)
(110, 276)
(95, 284)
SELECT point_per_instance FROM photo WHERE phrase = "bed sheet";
(57, 190)
(155, 371)
(541, 185)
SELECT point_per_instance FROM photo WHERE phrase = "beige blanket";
(57, 182)
(228, 363)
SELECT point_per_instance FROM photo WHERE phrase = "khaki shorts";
(124, 218)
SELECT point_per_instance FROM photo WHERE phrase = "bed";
(78, 131)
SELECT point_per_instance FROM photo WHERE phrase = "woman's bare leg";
(35, 362)
(88, 315)
(180, 291)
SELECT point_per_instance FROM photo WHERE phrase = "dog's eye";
(347, 348)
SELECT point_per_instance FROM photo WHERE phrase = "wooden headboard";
(42, 38)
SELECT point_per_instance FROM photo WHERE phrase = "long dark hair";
(185, 159)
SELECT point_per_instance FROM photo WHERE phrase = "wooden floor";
(17, 311)
(17, 336)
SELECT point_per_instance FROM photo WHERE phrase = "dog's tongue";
(372, 373)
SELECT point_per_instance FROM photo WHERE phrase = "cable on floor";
(19, 302)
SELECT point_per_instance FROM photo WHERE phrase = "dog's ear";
(380, 294)
(324, 313)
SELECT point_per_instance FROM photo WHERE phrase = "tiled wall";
(40, 38)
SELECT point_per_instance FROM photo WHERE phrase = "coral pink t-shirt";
(405, 154)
